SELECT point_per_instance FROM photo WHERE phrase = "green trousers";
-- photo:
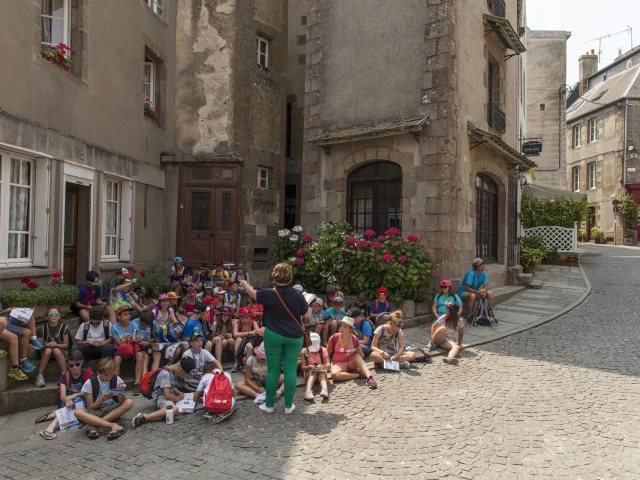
(282, 355)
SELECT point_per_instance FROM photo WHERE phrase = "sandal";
(93, 434)
(48, 435)
(44, 417)
(115, 434)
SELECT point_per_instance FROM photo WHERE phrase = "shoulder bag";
(307, 337)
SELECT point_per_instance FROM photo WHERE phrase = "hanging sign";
(532, 149)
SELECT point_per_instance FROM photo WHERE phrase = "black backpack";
(95, 386)
(483, 316)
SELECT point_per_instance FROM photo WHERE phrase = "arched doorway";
(486, 218)
(375, 197)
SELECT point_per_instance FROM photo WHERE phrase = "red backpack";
(148, 383)
(219, 397)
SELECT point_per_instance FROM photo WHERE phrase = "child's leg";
(376, 358)
(31, 324)
(311, 379)
(24, 343)
(156, 358)
(140, 360)
(118, 412)
(438, 335)
(111, 314)
(60, 359)
(245, 389)
(218, 344)
(44, 360)
(232, 345)
(338, 374)
(13, 347)
(52, 426)
(84, 315)
(208, 346)
(325, 333)
(117, 360)
(356, 362)
(323, 380)
(407, 357)
(454, 349)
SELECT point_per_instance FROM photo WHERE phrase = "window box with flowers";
(59, 55)
(41, 297)
(151, 112)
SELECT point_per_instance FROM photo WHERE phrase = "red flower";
(133, 270)
(55, 280)
(299, 261)
(32, 285)
(362, 244)
(342, 281)
(25, 280)
(413, 238)
(301, 252)
(387, 257)
(352, 240)
(381, 238)
(403, 259)
(307, 239)
(142, 273)
(56, 275)
(392, 232)
(369, 234)
(376, 245)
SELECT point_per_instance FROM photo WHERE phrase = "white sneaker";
(309, 396)
(324, 393)
(266, 409)
(260, 398)
(289, 410)
(40, 383)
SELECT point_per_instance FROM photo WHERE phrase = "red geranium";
(306, 239)
(381, 238)
(25, 280)
(142, 273)
(56, 275)
(362, 244)
(413, 238)
(387, 257)
(402, 259)
(352, 240)
(299, 261)
(133, 270)
(55, 280)
(392, 232)
(301, 252)
(376, 245)
(369, 234)
(32, 285)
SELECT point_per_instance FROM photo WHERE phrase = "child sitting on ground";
(69, 390)
(315, 365)
(106, 401)
(56, 339)
(447, 332)
(316, 322)
(210, 369)
(164, 394)
(255, 377)
(388, 343)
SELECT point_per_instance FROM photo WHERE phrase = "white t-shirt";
(203, 357)
(104, 388)
(94, 333)
(206, 381)
(451, 333)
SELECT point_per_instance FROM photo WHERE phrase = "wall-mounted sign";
(531, 149)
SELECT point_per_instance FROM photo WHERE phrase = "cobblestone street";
(557, 401)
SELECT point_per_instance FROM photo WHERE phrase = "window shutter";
(498, 86)
(126, 212)
(41, 212)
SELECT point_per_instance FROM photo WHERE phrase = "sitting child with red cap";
(381, 305)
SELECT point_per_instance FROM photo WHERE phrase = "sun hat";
(244, 311)
(477, 262)
(163, 297)
(317, 300)
(259, 352)
(382, 290)
(219, 291)
(347, 321)
(315, 342)
(173, 295)
(445, 283)
(177, 260)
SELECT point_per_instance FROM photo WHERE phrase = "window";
(16, 200)
(375, 197)
(486, 218)
(576, 179)
(290, 200)
(149, 81)
(55, 22)
(156, 6)
(263, 178)
(302, 59)
(591, 173)
(288, 131)
(543, 107)
(576, 136)
(593, 130)
(302, 39)
(112, 219)
(262, 51)
(303, 20)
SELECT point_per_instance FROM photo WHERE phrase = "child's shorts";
(14, 326)
(442, 343)
(161, 402)
(103, 411)
(171, 349)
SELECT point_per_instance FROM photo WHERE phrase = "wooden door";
(225, 225)
(70, 234)
(200, 220)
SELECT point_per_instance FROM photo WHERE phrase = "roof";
(547, 193)
(614, 89)
(619, 59)
(381, 129)
(496, 144)
(505, 33)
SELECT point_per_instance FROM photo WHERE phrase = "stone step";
(536, 284)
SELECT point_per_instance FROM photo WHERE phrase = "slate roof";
(380, 129)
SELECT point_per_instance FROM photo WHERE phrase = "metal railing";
(497, 118)
(497, 7)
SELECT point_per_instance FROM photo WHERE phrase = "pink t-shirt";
(315, 358)
(340, 354)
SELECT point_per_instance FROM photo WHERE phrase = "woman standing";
(285, 312)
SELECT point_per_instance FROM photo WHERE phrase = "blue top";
(89, 294)
(192, 326)
(145, 333)
(365, 329)
(112, 284)
(117, 331)
(473, 279)
(275, 316)
(380, 307)
(442, 301)
(330, 313)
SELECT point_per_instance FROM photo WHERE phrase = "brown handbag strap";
(298, 322)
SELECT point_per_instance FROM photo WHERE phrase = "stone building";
(411, 121)
(92, 180)
(603, 138)
(546, 106)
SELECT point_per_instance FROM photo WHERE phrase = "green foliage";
(628, 211)
(552, 256)
(596, 233)
(533, 241)
(154, 278)
(531, 257)
(581, 233)
(352, 263)
(559, 212)
(42, 296)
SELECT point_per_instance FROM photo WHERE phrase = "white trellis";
(563, 240)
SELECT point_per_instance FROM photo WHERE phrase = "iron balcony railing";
(497, 7)
(497, 118)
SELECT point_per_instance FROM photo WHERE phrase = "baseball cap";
(477, 262)
(187, 364)
(204, 266)
(218, 263)
(244, 311)
(240, 266)
(331, 290)
(199, 307)
(122, 307)
(195, 335)
(123, 271)
(315, 342)
(177, 260)
(93, 277)
(354, 312)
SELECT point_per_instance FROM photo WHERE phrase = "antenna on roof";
(599, 40)
(630, 30)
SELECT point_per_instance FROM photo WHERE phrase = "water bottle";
(169, 414)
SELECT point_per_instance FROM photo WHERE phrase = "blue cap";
(177, 259)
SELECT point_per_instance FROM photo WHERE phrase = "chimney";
(588, 66)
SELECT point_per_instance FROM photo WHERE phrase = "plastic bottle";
(169, 414)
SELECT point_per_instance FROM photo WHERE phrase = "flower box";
(59, 55)
(59, 64)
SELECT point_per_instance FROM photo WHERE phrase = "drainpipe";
(624, 162)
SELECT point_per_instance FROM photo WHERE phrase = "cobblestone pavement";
(557, 401)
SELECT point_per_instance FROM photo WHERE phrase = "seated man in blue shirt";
(473, 284)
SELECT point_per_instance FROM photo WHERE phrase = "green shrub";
(531, 257)
(628, 211)
(552, 256)
(558, 212)
(42, 296)
(597, 233)
(154, 278)
(533, 241)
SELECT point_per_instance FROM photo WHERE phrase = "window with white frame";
(576, 179)
(149, 81)
(593, 130)
(263, 178)
(55, 22)
(111, 247)
(16, 213)
(156, 6)
(576, 136)
(262, 51)
(591, 174)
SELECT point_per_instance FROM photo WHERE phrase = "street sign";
(532, 149)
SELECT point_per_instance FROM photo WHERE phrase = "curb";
(548, 319)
